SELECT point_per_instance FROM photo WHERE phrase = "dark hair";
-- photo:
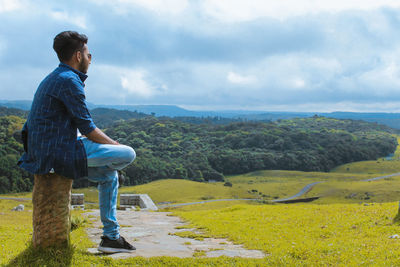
(66, 43)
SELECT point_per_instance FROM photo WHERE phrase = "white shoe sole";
(114, 250)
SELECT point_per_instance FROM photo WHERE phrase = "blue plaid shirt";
(58, 110)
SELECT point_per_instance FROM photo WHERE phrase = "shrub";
(228, 184)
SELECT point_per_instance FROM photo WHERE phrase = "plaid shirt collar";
(81, 75)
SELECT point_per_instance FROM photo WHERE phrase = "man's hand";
(98, 136)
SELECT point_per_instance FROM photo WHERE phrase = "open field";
(338, 229)
(261, 184)
(385, 190)
(267, 185)
(379, 167)
(308, 234)
(15, 234)
(290, 235)
(337, 187)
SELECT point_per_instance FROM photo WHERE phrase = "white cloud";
(110, 84)
(381, 81)
(161, 7)
(9, 5)
(239, 10)
(298, 83)
(76, 20)
(178, 51)
(133, 81)
(240, 79)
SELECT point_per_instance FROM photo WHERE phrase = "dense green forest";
(12, 178)
(168, 148)
(4, 111)
(203, 150)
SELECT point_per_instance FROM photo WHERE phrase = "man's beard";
(83, 66)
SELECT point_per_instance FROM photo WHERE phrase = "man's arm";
(98, 136)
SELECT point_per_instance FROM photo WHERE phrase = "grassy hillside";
(385, 190)
(260, 184)
(380, 166)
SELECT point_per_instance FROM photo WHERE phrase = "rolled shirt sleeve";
(74, 99)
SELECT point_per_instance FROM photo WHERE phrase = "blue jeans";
(103, 162)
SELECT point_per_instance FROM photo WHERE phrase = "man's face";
(86, 59)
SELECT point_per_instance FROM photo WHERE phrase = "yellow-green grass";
(182, 191)
(260, 184)
(18, 195)
(290, 235)
(396, 155)
(16, 233)
(280, 176)
(384, 190)
(270, 184)
(378, 167)
(307, 234)
(212, 205)
(15, 250)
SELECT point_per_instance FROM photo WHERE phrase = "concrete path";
(302, 192)
(150, 232)
(381, 177)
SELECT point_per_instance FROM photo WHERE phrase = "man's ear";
(79, 56)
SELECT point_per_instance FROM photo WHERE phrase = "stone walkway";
(149, 233)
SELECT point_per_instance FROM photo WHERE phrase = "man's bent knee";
(129, 154)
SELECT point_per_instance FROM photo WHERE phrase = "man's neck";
(72, 64)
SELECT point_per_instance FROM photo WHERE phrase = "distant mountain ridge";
(389, 119)
(20, 104)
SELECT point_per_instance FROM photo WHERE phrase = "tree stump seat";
(51, 199)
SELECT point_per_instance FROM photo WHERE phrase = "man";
(52, 146)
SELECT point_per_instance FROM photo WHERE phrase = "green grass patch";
(379, 167)
(308, 234)
(199, 253)
(191, 234)
(385, 190)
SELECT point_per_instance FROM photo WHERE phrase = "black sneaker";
(114, 246)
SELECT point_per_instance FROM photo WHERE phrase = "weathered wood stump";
(51, 199)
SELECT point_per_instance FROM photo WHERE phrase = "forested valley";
(203, 150)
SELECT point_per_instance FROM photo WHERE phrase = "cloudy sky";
(292, 55)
